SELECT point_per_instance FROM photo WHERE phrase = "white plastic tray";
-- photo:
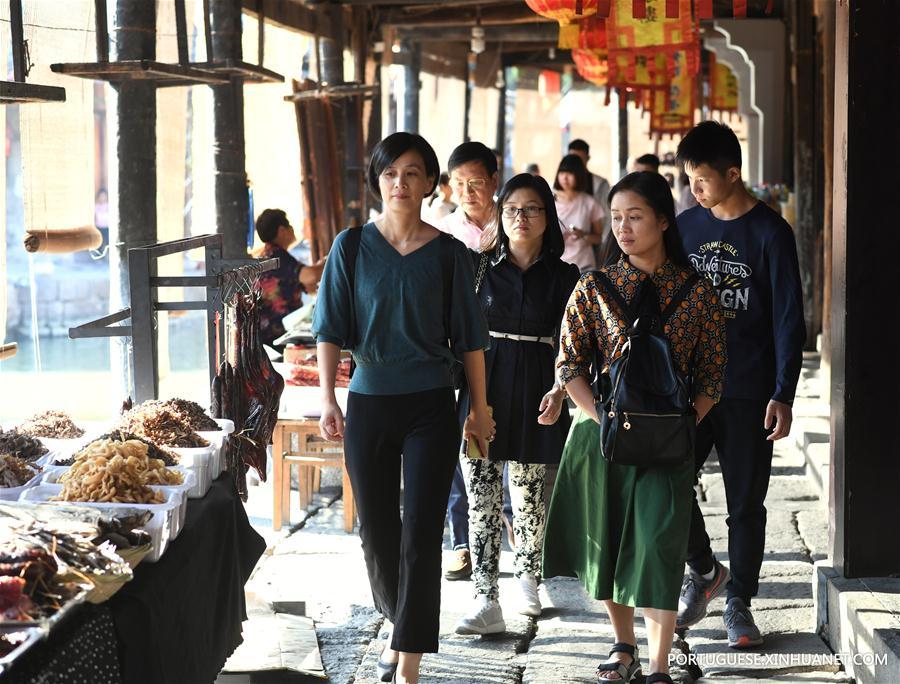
(217, 459)
(52, 474)
(13, 493)
(197, 461)
(159, 527)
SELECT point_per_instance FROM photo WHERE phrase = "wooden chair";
(297, 442)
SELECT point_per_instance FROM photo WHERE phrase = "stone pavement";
(322, 566)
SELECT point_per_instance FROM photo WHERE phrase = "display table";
(177, 621)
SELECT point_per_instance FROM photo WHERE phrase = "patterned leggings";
(484, 487)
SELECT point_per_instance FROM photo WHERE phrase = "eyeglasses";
(527, 212)
(474, 184)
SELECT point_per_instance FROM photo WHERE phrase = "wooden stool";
(311, 454)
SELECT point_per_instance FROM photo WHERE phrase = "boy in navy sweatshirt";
(748, 251)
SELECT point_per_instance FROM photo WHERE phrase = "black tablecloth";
(179, 619)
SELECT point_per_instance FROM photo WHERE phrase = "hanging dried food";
(53, 424)
(14, 471)
(162, 426)
(24, 446)
(247, 391)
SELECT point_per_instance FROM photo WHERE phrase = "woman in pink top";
(580, 215)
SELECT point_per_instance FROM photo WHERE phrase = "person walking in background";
(533, 169)
(441, 203)
(646, 162)
(748, 252)
(580, 215)
(523, 292)
(599, 187)
(623, 529)
(382, 296)
(282, 289)
(474, 179)
(685, 199)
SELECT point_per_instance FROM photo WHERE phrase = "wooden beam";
(290, 15)
(509, 13)
(492, 34)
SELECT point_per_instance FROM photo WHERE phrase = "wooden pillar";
(412, 74)
(229, 156)
(471, 66)
(865, 369)
(804, 124)
(500, 143)
(825, 13)
(331, 60)
(623, 132)
(132, 131)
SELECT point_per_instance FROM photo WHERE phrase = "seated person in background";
(282, 288)
(646, 162)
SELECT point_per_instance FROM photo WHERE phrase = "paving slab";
(783, 653)
(813, 528)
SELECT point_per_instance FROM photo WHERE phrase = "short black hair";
(444, 179)
(580, 145)
(552, 245)
(713, 143)
(573, 164)
(395, 145)
(473, 152)
(268, 223)
(656, 192)
(649, 160)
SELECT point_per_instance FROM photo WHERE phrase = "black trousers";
(735, 428)
(403, 558)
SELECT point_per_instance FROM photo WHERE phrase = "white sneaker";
(531, 603)
(487, 618)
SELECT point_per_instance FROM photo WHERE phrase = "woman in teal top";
(382, 296)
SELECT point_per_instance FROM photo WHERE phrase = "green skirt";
(623, 531)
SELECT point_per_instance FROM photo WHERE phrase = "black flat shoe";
(658, 678)
(387, 672)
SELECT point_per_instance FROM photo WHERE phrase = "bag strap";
(679, 296)
(446, 248)
(609, 289)
(351, 249)
(482, 270)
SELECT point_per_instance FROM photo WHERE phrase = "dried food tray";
(35, 634)
(46, 624)
(52, 474)
(159, 527)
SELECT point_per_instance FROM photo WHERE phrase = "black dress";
(519, 374)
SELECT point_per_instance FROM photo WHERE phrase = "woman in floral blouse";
(281, 289)
(623, 530)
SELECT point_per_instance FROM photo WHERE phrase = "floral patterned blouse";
(696, 328)
(281, 291)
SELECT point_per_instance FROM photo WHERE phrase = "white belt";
(522, 338)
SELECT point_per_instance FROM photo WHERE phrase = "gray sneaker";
(696, 593)
(742, 631)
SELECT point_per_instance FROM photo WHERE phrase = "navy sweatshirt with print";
(752, 260)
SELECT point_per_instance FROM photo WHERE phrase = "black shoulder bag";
(646, 415)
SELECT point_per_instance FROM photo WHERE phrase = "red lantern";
(591, 66)
(567, 13)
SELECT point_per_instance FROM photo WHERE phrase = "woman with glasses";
(386, 304)
(580, 215)
(523, 292)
